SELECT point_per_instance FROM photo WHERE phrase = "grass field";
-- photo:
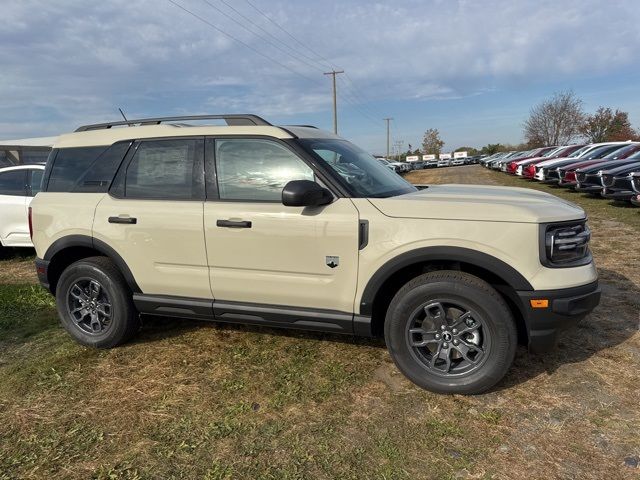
(203, 400)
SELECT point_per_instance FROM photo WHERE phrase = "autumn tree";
(431, 142)
(555, 121)
(607, 126)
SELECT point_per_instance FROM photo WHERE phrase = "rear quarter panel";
(56, 215)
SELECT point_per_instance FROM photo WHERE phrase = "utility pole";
(387, 120)
(333, 73)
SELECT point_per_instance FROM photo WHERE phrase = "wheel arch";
(67, 250)
(389, 278)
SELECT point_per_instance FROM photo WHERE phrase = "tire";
(102, 317)
(420, 325)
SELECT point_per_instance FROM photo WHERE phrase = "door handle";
(233, 224)
(127, 220)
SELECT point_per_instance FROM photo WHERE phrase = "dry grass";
(190, 400)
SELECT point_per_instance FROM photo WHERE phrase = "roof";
(109, 136)
(28, 142)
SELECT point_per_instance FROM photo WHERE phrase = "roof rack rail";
(305, 126)
(231, 120)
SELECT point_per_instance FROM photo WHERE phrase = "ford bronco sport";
(295, 227)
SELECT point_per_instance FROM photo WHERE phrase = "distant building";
(25, 150)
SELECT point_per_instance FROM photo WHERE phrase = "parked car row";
(609, 170)
(403, 167)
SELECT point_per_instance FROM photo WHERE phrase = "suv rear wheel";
(94, 303)
(451, 332)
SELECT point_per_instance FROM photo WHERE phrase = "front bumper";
(619, 195)
(589, 188)
(566, 308)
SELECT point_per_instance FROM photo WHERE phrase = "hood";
(608, 164)
(479, 203)
(623, 169)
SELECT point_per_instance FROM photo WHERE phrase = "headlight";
(565, 244)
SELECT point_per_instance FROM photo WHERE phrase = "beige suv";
(295, 227)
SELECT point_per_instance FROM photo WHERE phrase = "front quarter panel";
(515, 244)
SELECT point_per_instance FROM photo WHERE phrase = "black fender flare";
(71, 241)
(429, 254)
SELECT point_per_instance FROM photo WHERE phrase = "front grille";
(635, 182)
(581, 177)
(593, 178)
(623, 182)
(551, 173)
(607, 180)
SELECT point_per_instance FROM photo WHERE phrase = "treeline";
(558, 120)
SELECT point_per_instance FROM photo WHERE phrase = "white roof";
(31, 142)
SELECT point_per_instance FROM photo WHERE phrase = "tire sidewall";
(118, 299)
(496, 319)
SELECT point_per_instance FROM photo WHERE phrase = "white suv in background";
(18, 185)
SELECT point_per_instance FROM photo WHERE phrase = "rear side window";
(166, 169)
(70, 165)
(13, 183)
(34, 156)
(99, 176)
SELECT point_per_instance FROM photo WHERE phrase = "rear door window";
(170, 169)
(13, 183)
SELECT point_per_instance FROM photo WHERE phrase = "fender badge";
(332, 261)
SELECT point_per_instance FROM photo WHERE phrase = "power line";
(290, 35)
(352, 100)
(244, 17)
(205, 21)
(264, 39)
(354, 94)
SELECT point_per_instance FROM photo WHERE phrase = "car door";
(14, 228)
(261, 252)
(152, 217)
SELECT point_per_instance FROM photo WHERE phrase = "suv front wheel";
(95, 305)
(451, 332)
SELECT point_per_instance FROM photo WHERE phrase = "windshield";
(362, 174)
(552, 152)
(580, 151)
(619, 153)
(602, 151)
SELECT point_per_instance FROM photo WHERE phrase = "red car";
(529, 166)
(567, 173)
(513, 166)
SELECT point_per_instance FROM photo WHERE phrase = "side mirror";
(305, 193)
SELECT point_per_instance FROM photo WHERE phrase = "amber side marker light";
(539, 303)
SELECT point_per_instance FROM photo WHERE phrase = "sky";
(471, 69)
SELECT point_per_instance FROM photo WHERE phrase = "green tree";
(470, 150)
(431, 142)
(608, 126)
